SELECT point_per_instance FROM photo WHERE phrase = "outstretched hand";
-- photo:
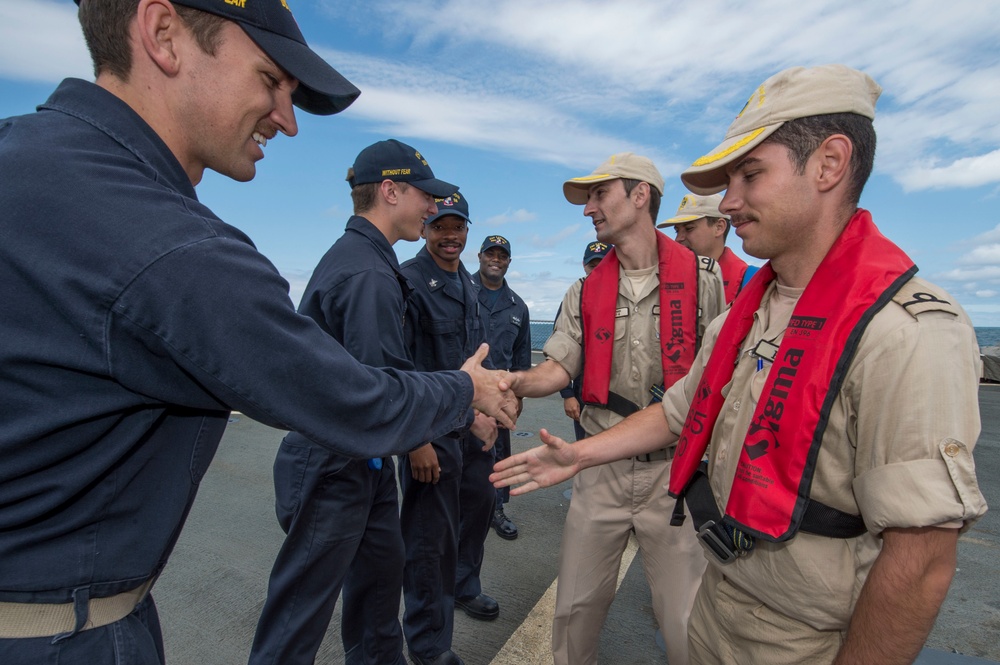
(543, 466)
(492, 390)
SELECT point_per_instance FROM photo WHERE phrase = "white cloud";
(567, 81)
(556, 238)
(984, 255)
(542, 292)
(464, 112)
(991, 236)
(966, 172)
(511, 216)
(41, 41)
(986, 294)
(650, 61)
(987, 273)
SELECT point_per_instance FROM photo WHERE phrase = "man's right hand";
(424, 464)
(543, 466)
(484, 428)
(572, 408)
(492, 395)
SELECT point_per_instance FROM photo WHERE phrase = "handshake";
(493, 390)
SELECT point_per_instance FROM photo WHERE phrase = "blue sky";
(510, 98)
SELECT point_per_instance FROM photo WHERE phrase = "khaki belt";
(657, 455)
(21, 620)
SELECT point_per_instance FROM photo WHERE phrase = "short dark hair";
(803, 136)
(713, 220)
(654, 195)
(365, 195)
(105, 28)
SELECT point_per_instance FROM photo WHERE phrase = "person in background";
(341, 515)
(702, 228)
(447, 498)
(632, 327)
(835, 403)
(509, 337)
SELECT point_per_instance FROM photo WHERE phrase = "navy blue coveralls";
(132, 320)
(341, 515)
(509, 337)
(444, 525)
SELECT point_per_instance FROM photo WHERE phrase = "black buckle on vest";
(716, 542)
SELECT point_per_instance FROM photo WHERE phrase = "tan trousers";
(731, 627)
(608, 502)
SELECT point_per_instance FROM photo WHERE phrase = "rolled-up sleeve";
(917, 414)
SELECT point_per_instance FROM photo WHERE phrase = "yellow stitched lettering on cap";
(242, 4)
(708, 159)
(389, 172)
(285, 5)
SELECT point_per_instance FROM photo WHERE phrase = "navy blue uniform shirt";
(509, 331)
(358, 295)
(132, 320)
(444, 322)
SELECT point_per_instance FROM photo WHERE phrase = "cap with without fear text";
(396, 161)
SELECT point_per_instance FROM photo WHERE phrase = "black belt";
(727, 543)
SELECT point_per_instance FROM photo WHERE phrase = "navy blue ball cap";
(322, 89)
(596, 250)
(451, 205)
(495, 241)
(396, 161)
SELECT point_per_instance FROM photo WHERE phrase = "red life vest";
(678, 274)
(770, 493)
(733, 268)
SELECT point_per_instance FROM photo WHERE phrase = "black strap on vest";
(820, 519)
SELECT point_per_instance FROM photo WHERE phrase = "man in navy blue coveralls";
(133, 319)
(341, 514)
(509, 336)
(447, 496)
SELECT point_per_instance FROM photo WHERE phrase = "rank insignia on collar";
(432, 283)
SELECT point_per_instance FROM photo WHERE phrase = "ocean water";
(540, 331)
(988, 337)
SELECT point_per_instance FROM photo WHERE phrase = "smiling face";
(702, 236)
(233, 102)
(772, 206)
(493, 265)
(413, 207)
(446, 238)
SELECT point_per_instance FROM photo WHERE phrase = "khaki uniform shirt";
(635, 363)
(897, 450)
